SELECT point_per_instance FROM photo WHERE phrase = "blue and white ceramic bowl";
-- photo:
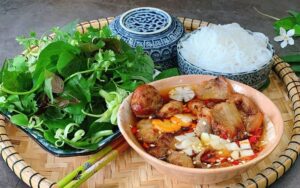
(255, 78)
(153, 29)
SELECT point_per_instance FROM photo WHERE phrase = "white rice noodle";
(227, 49)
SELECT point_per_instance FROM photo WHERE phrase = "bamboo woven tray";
(38, 168)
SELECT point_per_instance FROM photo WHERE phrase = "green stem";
(91, 115)
(104, 133)
(266, 15)
(14, 110)
(81, 72)
(141, 78)
(2, 88)
(86, 71)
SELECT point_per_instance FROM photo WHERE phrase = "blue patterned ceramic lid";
(154, 30)
(145, 21)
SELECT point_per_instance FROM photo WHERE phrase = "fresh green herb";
(70, 87)
(290, 22)
(288, 28)
(19, 119)
(291, 58)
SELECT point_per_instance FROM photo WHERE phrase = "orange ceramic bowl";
(197, 175)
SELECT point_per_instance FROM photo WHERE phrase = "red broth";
(177, 140)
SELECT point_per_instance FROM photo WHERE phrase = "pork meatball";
(170, 109)
(145, 101)
(180, 159)
(145, 131)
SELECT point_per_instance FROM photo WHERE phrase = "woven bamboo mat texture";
(39, 168)
(129, 170)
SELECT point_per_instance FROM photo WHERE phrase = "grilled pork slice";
(217, 89)
(227, 121)
(252, 116)
(170, 109)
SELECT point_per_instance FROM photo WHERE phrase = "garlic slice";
(235, 155)
(183, 93)
(188, 143)
(245, 144)
(214, 141)
(232, 146)
(205, 138)
(188, 151)
(246, 153)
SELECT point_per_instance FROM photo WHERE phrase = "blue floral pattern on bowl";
(153, 29)
(255, 78)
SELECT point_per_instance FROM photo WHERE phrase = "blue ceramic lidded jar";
(153, 29)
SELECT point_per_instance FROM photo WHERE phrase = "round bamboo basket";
(40, 169)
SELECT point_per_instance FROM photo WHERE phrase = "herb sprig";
(71, 86)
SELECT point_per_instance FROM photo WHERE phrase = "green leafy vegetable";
(14, 77)
(289, 22)
(296, 68)
(28, 42)
(29, 104)
(78, 87)
(70, 87)
(292, 58)
(19, 119)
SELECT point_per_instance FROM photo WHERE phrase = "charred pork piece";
(162, 146)
(159, 152)
(145, 131)
(145, 101)
(170, 109)
(227, 121)
(254, 122)
(218, 89)
(253, 117)
(180, 159)
(196, 106)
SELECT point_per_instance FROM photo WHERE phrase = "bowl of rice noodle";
(227, 50)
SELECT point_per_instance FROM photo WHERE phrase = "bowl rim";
(187, 35)
(267, 151)
(122, 17)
